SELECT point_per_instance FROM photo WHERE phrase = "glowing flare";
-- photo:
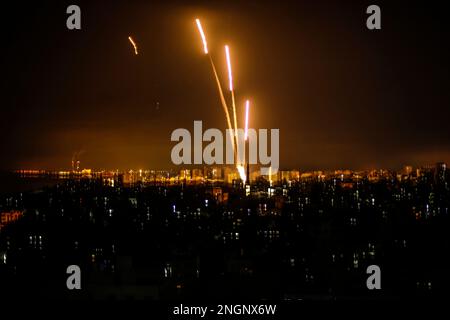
(133, 44)
(241, 171)
(202, 34)
(230, 75)
(247, 107)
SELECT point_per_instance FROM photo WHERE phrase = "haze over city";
(341, 95)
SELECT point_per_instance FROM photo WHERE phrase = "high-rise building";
(440, 172)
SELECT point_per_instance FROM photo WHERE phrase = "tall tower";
(75, 162)
(440, 172)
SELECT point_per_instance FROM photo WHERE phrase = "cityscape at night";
(225, 158)
(203, 234)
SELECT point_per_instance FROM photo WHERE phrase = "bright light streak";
(224, 103)
(247, 107)
(202, 34)
(230, 79)
(233, 104)
(241, 171)
(270, 176)
(222, 98)
(230, 75)
(133, 44)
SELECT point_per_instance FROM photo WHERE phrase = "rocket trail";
(233, 137)
(230, 80)
(233, 104)
(133, 44)
(241, 168)
(270, 176)
(241, 171)
(222, 100)
(230, 75)
(247, 107)
(202, 34)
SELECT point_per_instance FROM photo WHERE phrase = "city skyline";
(222, 175)
(311, 239)
(78, 166)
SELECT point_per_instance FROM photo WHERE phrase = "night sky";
(342, 96)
